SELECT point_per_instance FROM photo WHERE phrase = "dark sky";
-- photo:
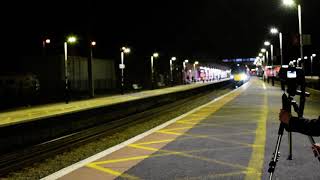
(197, 28)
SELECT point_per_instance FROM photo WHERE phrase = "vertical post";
(267, 57)
(281, 48)
(184, 72)
(66, 72)
(271, 47)
(152, 72)
(90, 74)
(122, 72)
(194, 72)
(301, 35)
(171, 77)
(311, 65)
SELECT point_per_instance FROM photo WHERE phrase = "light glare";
(155, 55)
(267, 43)
(72, 39)
(288, 2)
(274, 31)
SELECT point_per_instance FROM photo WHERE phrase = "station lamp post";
(263, 50)
(194, 69)
(267, 43)
(276, 31)
(154, 56)
(311, 58)
(184, 64)
(70, 40)
(171, 68)
(291, 3)
(124, 50)
(90, 74)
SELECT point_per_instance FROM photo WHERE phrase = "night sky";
(211, 29)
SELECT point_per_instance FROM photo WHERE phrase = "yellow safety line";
(214, 107)
(112, 172)
(257, 155)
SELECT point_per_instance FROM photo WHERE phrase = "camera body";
(293, 78)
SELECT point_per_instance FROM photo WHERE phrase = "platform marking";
(227, 98)
(257, 155)
(264, 86)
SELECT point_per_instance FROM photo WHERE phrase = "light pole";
(276, 31)
(71, 40)
(311, 58)
(154, 55)
(184, 70)
(171, 68)
(124, 50)
(263, 50)
(90, 74)
(194, 69)
(291, 3)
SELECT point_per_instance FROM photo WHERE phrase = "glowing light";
(274, 31)
(47, 41)
(186, 61)
(155, 55)
(263, 50)
(93, 43)
(288, 2)
(72, 39)
(267, 43)
(314, 55)
(260, 54)
(173, 58)
(197, 62)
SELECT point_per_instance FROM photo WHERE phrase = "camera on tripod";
(294, 79)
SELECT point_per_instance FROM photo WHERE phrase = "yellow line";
(257, 155)
(155, 142)
(112, 172)
(181, 128)
(264, 86)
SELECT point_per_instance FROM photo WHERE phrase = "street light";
(124, 50)
(70, 40)
(291, 3)
(276, 31)
(184, 70)
(154, 55)
(194, 69)
(90, 74)
(267, 43)
(312, 56)
(171, 76)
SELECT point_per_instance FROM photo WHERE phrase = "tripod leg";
(290, 145)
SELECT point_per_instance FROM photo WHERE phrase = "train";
(240, 75)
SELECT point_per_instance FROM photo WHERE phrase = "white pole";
(152, 72)
(122, 72)
(281, 53)
(311, 65)
(267, 54)
(66, 72)
(271, 47)
(171, 78)
(301, 35)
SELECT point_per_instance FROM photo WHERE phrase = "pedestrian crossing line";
(112, 172)
(257, 155)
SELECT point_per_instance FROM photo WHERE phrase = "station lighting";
(288, 2)
(274, 31)
(93, 43)
(314, 55)
(267, 43)
(263, 50)
(71, 39)
(260, 54)
(305, 57)
(124, 50)
(155, 55)
(171, 68)
(48, 41)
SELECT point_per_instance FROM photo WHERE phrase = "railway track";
(36, 153)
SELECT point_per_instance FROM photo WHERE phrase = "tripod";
(287, 102)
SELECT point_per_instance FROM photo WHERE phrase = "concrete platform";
(230, 138)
